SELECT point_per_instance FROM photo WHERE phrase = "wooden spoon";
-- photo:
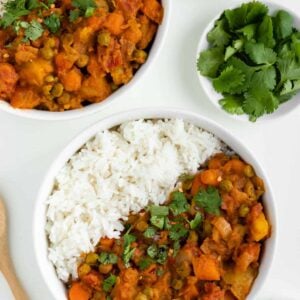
(6, 266)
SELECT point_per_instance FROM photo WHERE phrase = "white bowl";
(93, 108)
(39, 235)
(214, 96)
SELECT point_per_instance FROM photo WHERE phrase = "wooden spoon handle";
(9, 273)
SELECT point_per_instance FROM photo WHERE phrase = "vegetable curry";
(65, 54)
(203, 243)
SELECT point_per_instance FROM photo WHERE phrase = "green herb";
(150, 232)
(128, 252)
(108, 298)
(145, 263)
(13, 11)
(209, 199)
(152, 251)
(177, 232)
(176, 247)
(186, 177)
(33, 4)
(33, 31)
(74, 15)
(84, 8)
(53, 23)
(158, 214)
(159, 272)
(159, 254)
(253, 59)
(108, 258)
(179, 203)
(196, 221)
(109, 282)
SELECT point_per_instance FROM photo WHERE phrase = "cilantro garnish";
(196, 221)
(253, 59)
(152, 251)
(150, 232)
(33, 31)
(53, 23)
(84, 8)
(179, 203)
(108, 258)
(109, 282)
(158, 253)
(177, 232)
(145, 263)
(128, 251)
(158, 215)
(13, 11)
(209, 199)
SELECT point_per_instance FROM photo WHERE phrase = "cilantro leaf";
(260, 54)
(265, 78)
(109, 282)
(13, 11)
(247, 13)
(283, 24)
(177, 232)
(74, 15)
(84, 8)
(158, 221)
(209, 61)
(33, 31)
(159, 210)
(108, 258)
(145, 263)
(237, 45)
(53, 23)
(288, 67)
(290, 88)
(196, 221)
(218, 37)
(128, 252)
(258, 101)
(150, 232)
(229, 80)
(33, 4)
(152, 251)
(162, 254)
(84, 4)
(179, 203)
(265, 32)
(249, 31)
(209, 199)
(232, 104)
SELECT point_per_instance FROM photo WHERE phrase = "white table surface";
(28, 147)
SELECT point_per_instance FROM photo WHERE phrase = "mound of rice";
(117, 172)
(2, 7)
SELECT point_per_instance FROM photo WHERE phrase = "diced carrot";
(153, 10)
(25, 98)
(114, 23)
(206, 267)
(106, 244)
(8, 80)
(197, 184)
(235, 166)
(249, 253)
(71, 80)
(79, 292)
(211, 177)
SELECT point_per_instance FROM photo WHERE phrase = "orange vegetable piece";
(79, 292)
(106, 244)
(235, 166)
(211, 177)
(114, 23)
(8, 80)
(197, 184)
(71, 80)
(153, 10)
(206, 267)
(25, 98)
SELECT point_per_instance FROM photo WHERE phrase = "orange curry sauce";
(91, 54)
(203, 243)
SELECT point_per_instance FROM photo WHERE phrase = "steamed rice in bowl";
(153, 149)
(117, 172)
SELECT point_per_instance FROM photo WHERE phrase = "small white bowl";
(93, 108)
(40, 240)
(214, 96)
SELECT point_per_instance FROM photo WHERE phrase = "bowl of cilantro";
(248, 61)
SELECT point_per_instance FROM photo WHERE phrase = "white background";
(28, 147)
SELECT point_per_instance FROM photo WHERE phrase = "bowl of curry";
(214, 236)
(66, 58)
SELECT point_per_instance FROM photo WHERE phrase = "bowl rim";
(284, 109)
(39, 236)
(156, 48)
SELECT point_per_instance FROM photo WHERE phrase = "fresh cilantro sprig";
(128, 251)
(109, 283)
(108, 258)
(179, 203)
(253, 59)
(82, 8)
(209, 199)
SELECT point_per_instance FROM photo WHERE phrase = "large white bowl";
(214, 96)
(93, 108)
(39, 235)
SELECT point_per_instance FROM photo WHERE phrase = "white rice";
(118, 172)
